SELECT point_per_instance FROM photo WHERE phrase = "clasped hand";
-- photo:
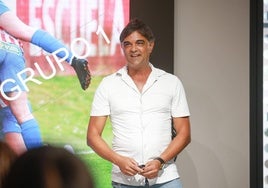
(130, 167)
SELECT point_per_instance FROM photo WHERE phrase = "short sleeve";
(100, 105)
(179, 103)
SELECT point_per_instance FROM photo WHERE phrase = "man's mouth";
(134, 55)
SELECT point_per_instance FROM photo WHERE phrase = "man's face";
(137, 49)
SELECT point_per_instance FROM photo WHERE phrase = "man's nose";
(133, 47)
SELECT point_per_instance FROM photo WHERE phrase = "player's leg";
(29, 126)
(45, 41)
(12, 65)
(41, 38)
(50, 44)
(15, 142)
(11, 131)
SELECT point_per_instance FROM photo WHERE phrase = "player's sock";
(31, 134)
(50, 44)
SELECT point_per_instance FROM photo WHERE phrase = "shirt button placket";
(142, 129)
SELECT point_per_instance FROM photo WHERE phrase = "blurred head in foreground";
(7, 157)
(49, 167)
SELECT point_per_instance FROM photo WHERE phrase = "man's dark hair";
(139, 26)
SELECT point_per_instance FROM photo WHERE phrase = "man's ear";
(151, 46)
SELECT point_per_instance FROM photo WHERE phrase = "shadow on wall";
(189, 168)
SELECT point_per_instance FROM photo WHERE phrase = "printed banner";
(88, 27)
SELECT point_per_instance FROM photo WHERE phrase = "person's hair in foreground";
(7, 157)
(49, 167)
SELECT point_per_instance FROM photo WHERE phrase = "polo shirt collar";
(153, 77)
(155, 74)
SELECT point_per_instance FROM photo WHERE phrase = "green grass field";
(62, 109)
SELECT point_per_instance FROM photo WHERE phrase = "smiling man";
(142, 102)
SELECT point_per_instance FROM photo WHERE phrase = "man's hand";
(129, 166)
(151, 169)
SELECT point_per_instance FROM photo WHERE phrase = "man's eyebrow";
(139, 40)
(125, 42)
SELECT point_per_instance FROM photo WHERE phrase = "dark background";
(159, 15)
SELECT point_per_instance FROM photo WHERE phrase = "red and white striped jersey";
(6, 37)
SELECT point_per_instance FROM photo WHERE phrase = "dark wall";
(256, 93)
(159, 15)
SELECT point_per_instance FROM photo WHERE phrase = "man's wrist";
(162, 162)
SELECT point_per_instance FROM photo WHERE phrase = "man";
(141, 102)
(10, 23)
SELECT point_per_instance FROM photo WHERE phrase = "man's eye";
(126, 44)
(140, 43)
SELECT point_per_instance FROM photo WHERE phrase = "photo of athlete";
(20, 128)
(10, 23)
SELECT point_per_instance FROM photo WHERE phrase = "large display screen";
(91, 29)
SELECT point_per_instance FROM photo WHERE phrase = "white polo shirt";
(141, 122)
